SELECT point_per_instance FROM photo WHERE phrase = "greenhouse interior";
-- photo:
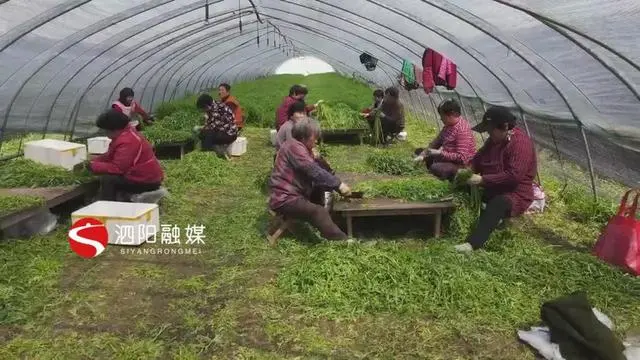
(365, 179)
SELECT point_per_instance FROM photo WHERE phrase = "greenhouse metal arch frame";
(531, 57)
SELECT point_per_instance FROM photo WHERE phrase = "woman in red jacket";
(130, 165)
(505, 167)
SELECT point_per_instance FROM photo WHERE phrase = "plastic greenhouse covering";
(570, 69)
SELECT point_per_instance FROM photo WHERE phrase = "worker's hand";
(434, 152)
(344, 189)
(315, 152)
(319, 102)
(474, 180)
(420, 158)
(83, 165)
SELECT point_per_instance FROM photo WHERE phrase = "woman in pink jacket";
(128, 106)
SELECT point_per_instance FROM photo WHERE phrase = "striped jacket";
(457, 143)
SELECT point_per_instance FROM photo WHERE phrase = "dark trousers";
(314, 214)
(498, 208)
(390, 128)
(210, 139)
(443, 170)
(111, 185)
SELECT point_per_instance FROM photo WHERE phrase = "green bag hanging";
(408, 73)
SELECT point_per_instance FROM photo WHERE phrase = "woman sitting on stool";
(505, 167)
(294, 175)
(129, 166)
(220, 129)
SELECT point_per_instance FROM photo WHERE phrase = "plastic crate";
(56, 152)
(128, 224)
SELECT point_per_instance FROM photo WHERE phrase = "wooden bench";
(390, 207)
(169, 151)
(334, 133)
(53, 196)
(282, 225)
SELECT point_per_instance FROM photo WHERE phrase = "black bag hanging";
(368, 61)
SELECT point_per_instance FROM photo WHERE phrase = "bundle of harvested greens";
(339, 116)
(378, 135)
(159, 135)
(475, 196)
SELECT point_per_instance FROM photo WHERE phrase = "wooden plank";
(392, 212)
(437, 225)
(17, 217)
(56, 195)
(53, 197)
(343, 131)
(371, 205)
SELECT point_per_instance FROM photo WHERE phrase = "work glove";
(344, 189)
(319, 102)
(420, 157)
(474, 180)
(150, 120)
(434, 152)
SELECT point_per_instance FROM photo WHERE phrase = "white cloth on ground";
(540, 339)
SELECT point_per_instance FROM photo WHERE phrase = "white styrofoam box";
(98, 145)
(239, 147)
(56, 152)
(273, 137)
(402, 136)
(129, 224)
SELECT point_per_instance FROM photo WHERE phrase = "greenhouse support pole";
(435, 111)
(526, 127)
(589, 162)
(464, 111)
(423, 106)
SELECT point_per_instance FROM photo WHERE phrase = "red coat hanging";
(438, 70)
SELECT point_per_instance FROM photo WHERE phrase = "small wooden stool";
(283, 226)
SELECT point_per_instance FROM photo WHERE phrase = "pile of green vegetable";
(27, 173)
(186, 105)
(412, 189)
(392, 162)
(180, 121)
(339, 116)
(159, 135)
(197, 168)
(12, 203)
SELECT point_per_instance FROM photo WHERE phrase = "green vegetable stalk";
(475, 195)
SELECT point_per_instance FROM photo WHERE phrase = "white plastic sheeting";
(569, 62)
